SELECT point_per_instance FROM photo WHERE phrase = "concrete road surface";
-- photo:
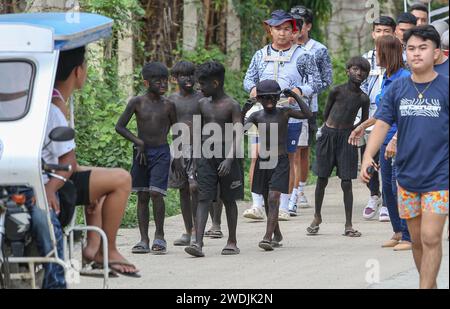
(328, 260)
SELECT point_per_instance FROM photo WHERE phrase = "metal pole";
(429, 12)
(405, 4)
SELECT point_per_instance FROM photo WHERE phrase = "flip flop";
(111, 264)
(141, 248)
(184, 240)
(276, 244)
(214, 234)
(134, 274)
(194, 250)
(230, 251)
(159, 247)
(352, 233)
(265, 245)
(92, 270)
(312, 230)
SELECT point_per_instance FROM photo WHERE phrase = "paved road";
(328, 260)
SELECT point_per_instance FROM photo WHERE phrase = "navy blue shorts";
(155, 175)
(294, 131)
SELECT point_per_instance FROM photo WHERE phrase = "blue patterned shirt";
(325, 67)
(300, 72)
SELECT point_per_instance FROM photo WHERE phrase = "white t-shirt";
(54, 150)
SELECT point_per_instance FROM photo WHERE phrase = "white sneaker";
(302, 202)
(384, 215)
(283, 215)
(370, 210)
(255, 213)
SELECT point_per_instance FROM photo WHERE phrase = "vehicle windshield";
(15, 85)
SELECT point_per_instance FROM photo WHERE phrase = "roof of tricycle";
(71, 30)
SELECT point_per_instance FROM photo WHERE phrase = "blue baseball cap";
(279, 17)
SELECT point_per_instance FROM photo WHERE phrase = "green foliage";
(102, 101)
(123, 12)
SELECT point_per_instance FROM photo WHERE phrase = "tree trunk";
(190, 22)
(208, 11)
(125, 56)
(161, 28)
(233, 37)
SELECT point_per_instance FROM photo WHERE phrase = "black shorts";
(275, 179)
(187, 178)
(231, 185)
(81, 182)
(312, 128)
(333, 149)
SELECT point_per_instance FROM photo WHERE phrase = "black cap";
(268, 87)
(301, 12)
(279, 17)
(385, 21)
(407, 18)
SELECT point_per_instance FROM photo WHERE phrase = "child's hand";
(288, 93)
(177, 168)
(356, 135)
(225, 167)
(141, 157)
(249, 104)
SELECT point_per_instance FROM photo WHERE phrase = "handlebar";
(51, 168)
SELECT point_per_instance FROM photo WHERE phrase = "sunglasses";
(271, 97)
(299, 11)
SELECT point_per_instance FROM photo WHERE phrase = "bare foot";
(89, 253)
(397, 236)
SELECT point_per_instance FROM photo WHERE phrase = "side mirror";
(62, 134)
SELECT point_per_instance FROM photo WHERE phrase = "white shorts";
(304, 135)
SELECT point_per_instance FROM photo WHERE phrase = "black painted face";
(208, 87)
(158, 85)
(356, 75)
(269, 102)
(186, 82)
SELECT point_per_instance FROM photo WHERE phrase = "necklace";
(423, 92)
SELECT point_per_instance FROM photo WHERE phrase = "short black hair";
(385, 21)
(69, 60)
(419, 7)
(185, 68)
(154, 69)
(299, 23)
(425, 32)
(359, 62)
(211, 70)
(407, 18)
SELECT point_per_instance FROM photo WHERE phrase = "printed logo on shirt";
(420, 107)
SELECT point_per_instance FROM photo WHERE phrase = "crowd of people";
(396, 99)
